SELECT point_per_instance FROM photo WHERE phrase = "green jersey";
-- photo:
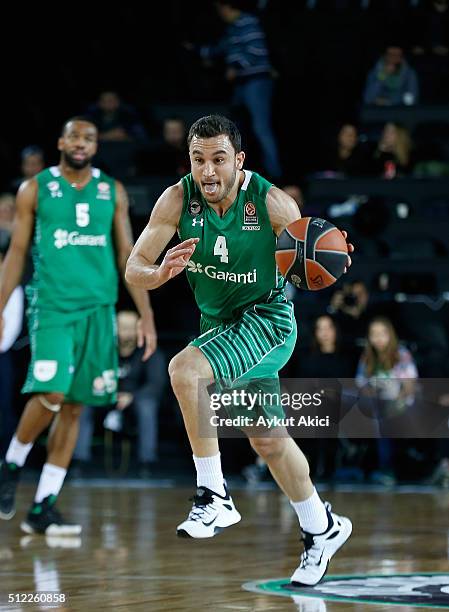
(233, 265)
(73, 250)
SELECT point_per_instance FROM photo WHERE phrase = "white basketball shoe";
(209, 515)
(320, 548)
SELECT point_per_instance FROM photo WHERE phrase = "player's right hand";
(176, 259)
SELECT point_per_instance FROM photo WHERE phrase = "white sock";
(209, 474)
(17, 452)
(50, 482)
(312, 514)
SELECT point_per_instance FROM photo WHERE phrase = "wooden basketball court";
(129, 557)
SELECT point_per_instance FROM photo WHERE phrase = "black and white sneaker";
(44, 518)
(320, 548)
(209, 515)
(9, 478)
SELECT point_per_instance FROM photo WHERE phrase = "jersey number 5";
(220, 249)
(82, 215)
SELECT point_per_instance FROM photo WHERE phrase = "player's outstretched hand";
(176, 259)
(350, 249)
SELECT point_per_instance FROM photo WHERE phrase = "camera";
(349, 299)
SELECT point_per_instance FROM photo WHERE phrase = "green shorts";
(249, 352)
(77, 357)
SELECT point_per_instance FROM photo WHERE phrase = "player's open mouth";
(79, 156)
(210, 188)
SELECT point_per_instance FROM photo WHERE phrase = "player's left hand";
(350, 249)
(146, 334)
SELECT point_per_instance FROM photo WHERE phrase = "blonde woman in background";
(387, 371)
(394, 153)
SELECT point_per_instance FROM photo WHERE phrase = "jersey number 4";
(82, 215)
(221, 250)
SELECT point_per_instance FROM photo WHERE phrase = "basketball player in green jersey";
(228, 220)
(77, 217)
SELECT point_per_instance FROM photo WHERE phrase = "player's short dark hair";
(31, 150)
(83, 118)
(216, 125)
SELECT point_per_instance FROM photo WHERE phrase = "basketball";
(311, 253)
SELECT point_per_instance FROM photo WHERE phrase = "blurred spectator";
(32, 162)
(432, 32)
(294, 191)
(172, 156)
(12, 325)
(122, 134)
(350, 307)
(430, 48)
(141, 384)
(348, 156)
(387, 372)
(249, 69)
(394, 153)
(115, 120)
(392, 81)
(7, 208)
(326, 358)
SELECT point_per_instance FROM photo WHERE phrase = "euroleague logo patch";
(195, 208)
(250, 218)
(104, 191)
(421, 590)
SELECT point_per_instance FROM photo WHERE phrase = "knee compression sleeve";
(46, 404)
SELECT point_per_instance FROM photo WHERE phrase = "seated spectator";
(392, 81)
(12, 325)
(326, 360)
(32, 162)
(7, 208)
(394, 155)
(348, 156)
(172, 156)
(140, 389)
(115, 120)
(387, 372)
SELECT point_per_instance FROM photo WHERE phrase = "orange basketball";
(311, 253)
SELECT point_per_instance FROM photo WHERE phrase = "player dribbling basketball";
(228, 220)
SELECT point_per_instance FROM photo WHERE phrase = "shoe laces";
(202, 506)
(312, 549)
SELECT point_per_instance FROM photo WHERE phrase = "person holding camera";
(352, 311)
